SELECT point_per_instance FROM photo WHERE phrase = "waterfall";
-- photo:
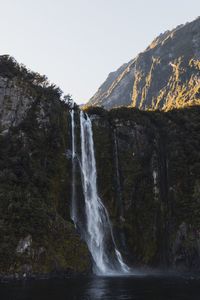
(99, 236)
(73, 200)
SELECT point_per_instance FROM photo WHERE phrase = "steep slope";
(116, 89)
(149, 179)
(165, 76)
(37, 235)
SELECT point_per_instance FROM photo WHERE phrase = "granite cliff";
(165, 76)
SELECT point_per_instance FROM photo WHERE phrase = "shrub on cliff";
(35, 82)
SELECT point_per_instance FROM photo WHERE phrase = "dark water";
(95, 288)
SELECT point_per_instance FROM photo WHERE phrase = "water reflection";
(105, 288)
(142, 288)
(98, 288)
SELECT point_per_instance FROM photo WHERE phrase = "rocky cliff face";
(165, 76)
(37, 235)
(116, 90)
(148, 176)
(147, 170)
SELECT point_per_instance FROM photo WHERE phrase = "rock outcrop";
(14, 103)
(165, 76)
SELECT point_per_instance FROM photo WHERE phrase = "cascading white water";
(98, 227)
(73, 200)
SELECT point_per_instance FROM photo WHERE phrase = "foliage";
(38, 84)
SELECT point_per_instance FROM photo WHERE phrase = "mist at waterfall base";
(104, 288)
(97, 231)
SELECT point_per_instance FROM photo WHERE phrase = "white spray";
(98, 227)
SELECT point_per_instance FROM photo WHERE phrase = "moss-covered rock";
(148, 178)
(35, 176)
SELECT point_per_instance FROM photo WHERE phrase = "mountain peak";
(166, 75)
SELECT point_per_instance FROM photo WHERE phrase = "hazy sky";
(76, 43)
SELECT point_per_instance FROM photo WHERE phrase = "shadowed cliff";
(147, 172)
(148, 176)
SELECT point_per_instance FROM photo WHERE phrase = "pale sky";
(76, 43)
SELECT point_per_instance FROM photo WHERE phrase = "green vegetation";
(34, 83)
(150, 210)
(35, 176)
(148, 177)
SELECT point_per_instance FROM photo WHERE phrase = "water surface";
(104, 288)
